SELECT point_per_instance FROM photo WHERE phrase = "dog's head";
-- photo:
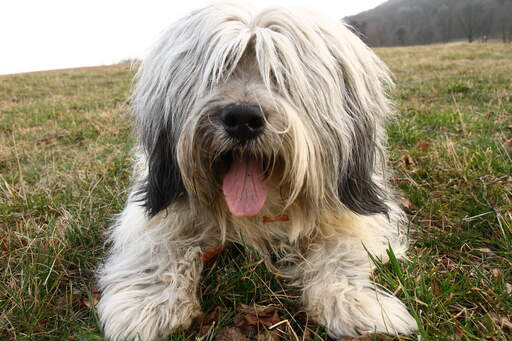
(228, 101)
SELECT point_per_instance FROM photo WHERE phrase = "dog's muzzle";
(243, 184)
(243, 121)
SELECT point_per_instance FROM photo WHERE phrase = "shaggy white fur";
(321, 93)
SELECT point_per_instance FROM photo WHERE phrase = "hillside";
(415, 22)
(65, 164)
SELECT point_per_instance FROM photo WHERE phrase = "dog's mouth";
(243, 184)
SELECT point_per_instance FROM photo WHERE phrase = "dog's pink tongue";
(244, 187)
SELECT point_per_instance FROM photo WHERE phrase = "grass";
(65, 165)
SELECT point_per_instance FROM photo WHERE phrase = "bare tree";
(378, 33)
(444, 22)
(403, 22)
(505, 20)
(424, 35)
(485, 27)
(468, 18)
(359, 28)
(401, 33)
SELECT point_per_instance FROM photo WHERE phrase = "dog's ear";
(163, 184)
(358, 190)
(365, 80)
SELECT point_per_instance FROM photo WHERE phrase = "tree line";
(413, 22)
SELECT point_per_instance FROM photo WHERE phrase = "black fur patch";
(164, 184)
(357, 190)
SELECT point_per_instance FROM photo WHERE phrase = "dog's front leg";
(149, 281)
(339, 294)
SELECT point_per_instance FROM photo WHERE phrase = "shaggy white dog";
(244, 116)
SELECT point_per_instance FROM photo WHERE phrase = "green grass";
(65, 164)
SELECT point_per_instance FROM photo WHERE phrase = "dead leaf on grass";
(205, 322)
(267, 336)
(257, 314)
(446, 264)
(260, 310)
(423, 145)
(279, 218)
(405, 202)
(459, 332)
(207, 256)
(502, 322)
(90, 303)
(408, 161)
(230, 334)
(255, 320)
(436, 289)
(70, 299)
(497, 273)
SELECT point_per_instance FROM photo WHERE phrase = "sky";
(40, 35)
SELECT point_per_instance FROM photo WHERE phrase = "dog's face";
(229, 104)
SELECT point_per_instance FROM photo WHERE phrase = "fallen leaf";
(208, 255)
(283, 217)
(436, 289)
(268, 322)
(502, 322)
(279, 218)
(459, 332)
(205, 322)
(95, 299)
(268, 336)
(212, 316)
(423, 145)
(247, 320)
(254, 322)
(307, 335)
(267, 219)
(408, 161)
(405, 202)
(230, 334)
(508, 143)
(42, 323)
(497, 273)
(446, 264)
(259, 310)
(71, 299)
(509, 288)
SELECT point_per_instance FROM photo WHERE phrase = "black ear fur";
(163, 184)
(357, 190)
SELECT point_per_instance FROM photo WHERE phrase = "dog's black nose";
(243, 121)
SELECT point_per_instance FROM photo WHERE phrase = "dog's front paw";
(128, 316)
(352, 311)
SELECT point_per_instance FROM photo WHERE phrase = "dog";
(243, 116)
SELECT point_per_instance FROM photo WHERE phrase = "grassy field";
(65, 165)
